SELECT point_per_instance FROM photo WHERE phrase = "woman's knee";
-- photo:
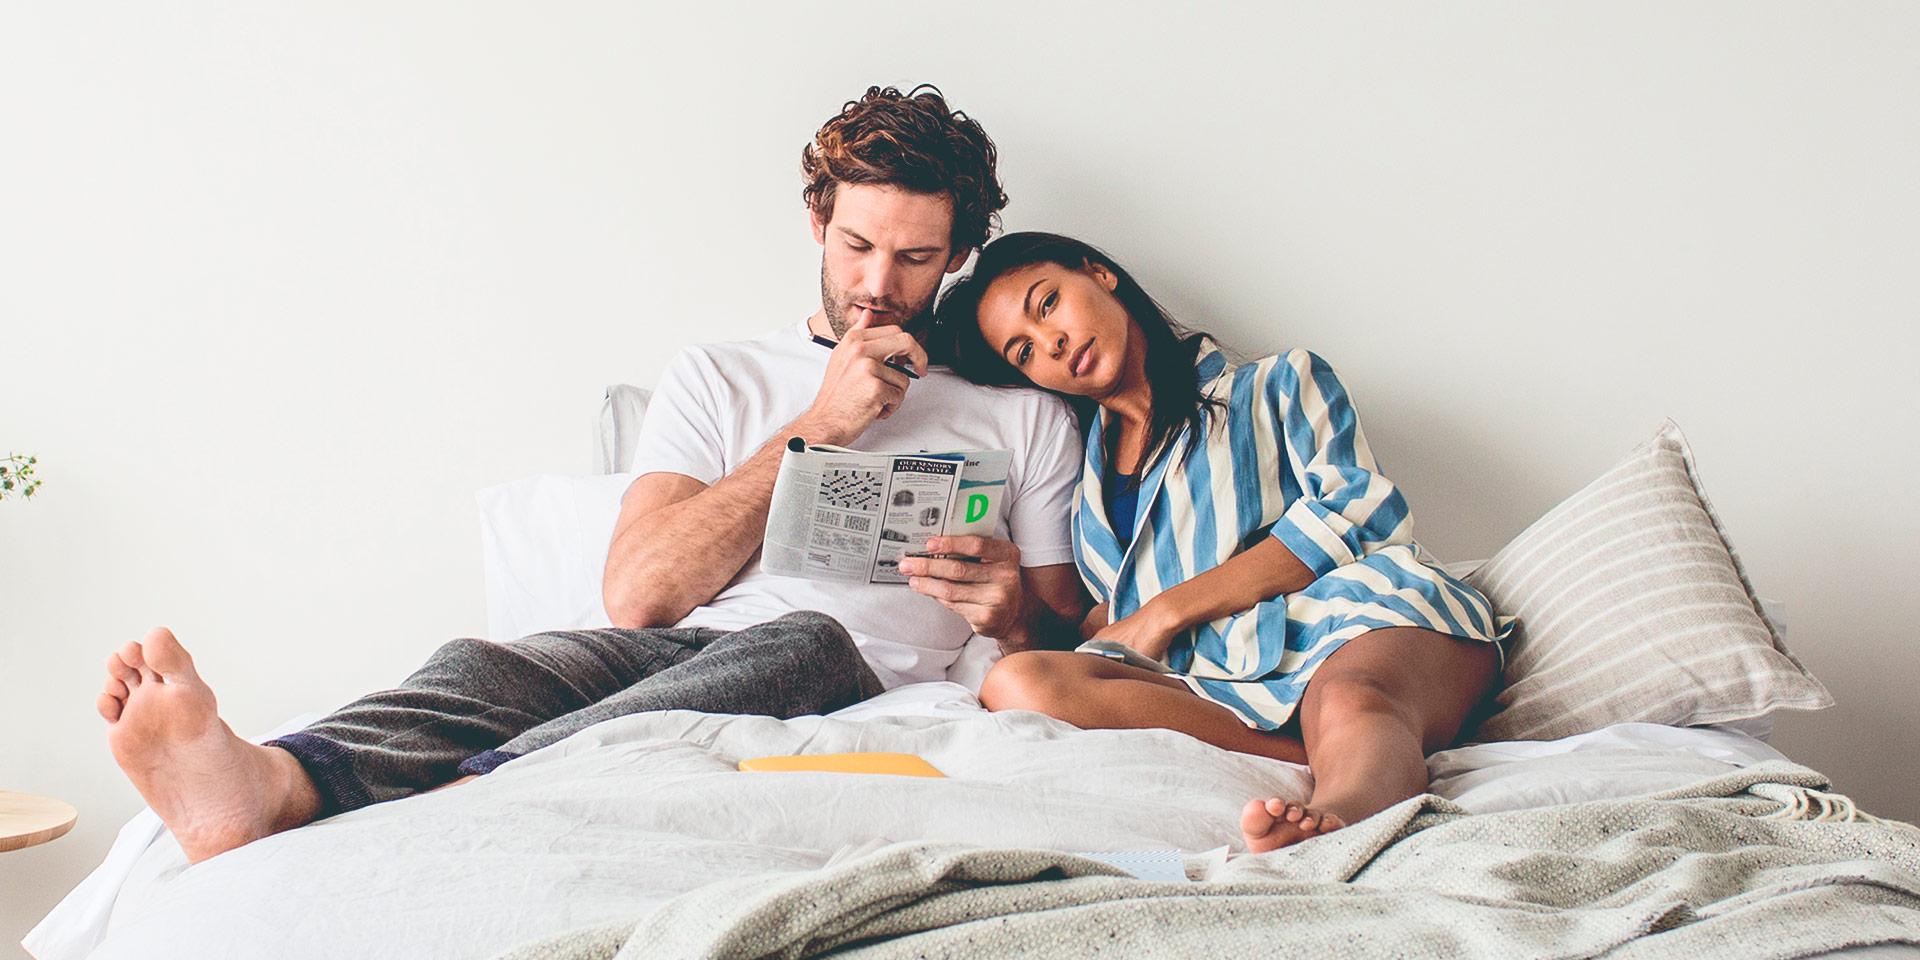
(1363, 695)
(1028, 680)
(1352, 693)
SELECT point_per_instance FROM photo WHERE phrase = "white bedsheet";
(640, 809)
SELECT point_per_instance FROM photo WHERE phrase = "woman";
(1257, 582)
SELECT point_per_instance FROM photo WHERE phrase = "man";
(900, 190)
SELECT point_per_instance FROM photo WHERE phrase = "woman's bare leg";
(1371, 714)
(1095, 693)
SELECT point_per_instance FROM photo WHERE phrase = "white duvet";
(638, 810)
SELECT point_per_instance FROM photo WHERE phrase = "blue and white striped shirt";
(1286, 459)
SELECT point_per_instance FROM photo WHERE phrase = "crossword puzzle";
(851, 489)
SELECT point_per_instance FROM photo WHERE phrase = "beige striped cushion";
(1633, 607)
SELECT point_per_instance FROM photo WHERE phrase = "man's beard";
(836, 301)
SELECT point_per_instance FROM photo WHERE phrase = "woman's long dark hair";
(1171, 349)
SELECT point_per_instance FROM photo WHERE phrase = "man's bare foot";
(1274, 823)
(214, 790)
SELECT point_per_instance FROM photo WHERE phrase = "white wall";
(281, 287)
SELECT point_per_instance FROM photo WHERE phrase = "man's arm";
(1056, 624)
(678, 541)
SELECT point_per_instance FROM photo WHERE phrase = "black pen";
(829, 344)
(963, 558)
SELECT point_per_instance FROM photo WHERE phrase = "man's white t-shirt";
(718, 404)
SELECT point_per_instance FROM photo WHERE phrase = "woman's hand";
(1096, 621)
(1147, 630)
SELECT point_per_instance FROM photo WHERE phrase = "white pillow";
(544, 539)
(544, 544)
(617, 432)
(1633, 607)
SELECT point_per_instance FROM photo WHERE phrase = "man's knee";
(803, 643)
(462, 648)
(805, 634)
(549, 652)
(461, 656)
(822, 632)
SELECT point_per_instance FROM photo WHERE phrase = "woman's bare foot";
(1274, 823)
(214, 790)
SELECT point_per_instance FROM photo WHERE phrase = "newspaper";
(849, 516)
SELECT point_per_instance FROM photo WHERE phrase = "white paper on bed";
(640, 809)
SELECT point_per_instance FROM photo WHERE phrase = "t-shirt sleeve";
(1040, 516)
(682, 431)
(1346, 509)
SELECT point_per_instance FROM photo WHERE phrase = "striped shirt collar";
(1094, 529)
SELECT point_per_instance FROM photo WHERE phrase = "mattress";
(635, 811)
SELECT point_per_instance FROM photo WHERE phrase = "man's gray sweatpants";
(476, 704)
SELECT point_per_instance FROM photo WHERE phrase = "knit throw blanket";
(1746, 865)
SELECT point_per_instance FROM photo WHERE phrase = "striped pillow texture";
(1634, 607)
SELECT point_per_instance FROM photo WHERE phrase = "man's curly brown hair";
(911, 140)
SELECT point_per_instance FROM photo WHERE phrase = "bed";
(1622, 802)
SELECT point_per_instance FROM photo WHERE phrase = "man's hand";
(859, 387)
(990, 594)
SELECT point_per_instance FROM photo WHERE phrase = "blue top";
(1123, 504)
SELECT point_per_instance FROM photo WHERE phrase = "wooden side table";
(26, 820)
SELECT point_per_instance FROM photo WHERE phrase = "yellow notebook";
(901, 764)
